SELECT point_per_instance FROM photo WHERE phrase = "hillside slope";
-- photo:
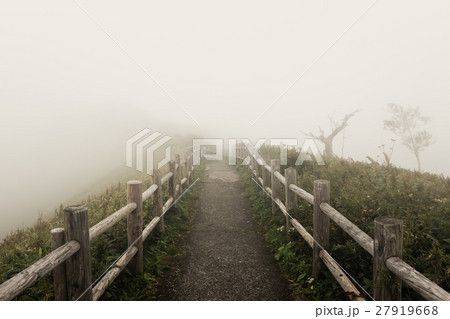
(362, 192)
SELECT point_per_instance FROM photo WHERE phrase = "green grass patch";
(361, 192)
(24, 247)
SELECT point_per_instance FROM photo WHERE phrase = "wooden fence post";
(182, 172)
(266, 177)
(158, 200)
(290, 175)
(134, 226)
(172, 180)
(181, 175)
(188, 171)
(321, 223)
(59, 273)
(185, 174)
(260, 170)
(252, 161)
(192, 167)
(178, 175)
(388, 242)
(257, 173)
(275, 183)
(78, 266)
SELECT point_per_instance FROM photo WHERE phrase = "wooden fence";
(71, 264)
(70, 257)
(386, 247)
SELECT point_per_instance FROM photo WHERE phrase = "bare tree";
(387, 157)
(336, 128)
(406, 124)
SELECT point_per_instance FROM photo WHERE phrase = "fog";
(78, 78)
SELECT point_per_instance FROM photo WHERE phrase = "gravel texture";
(226, 257)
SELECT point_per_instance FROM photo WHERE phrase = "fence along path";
(70, 256)
(386, 247)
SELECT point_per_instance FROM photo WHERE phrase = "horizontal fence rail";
(364, 240)
(386, 253)
(110, 221)
(110, 276)
(70, 256)
(29, 276)
(429, 290)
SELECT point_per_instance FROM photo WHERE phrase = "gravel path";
(226, 257)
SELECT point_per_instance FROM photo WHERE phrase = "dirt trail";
(226, 257)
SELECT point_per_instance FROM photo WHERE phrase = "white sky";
(70, 97)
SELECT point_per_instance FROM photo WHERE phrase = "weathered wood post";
(188, 171)
(59, 273)
(275, 183)
(290, 175)
(185, 168)
(253, 166)
(265, 177)
(172, 180)
(192, 167)
(250, 162)
(78, 266)
(178, 175)
(260, 169)
(388, 242)
(158, 200)
(181, 172)
(185, 173)
(321, 223)
(134, 226)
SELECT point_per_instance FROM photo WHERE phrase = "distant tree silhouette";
(336, 128)
(406, 124)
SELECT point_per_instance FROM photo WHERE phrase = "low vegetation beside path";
(161, 250)
(362, 192)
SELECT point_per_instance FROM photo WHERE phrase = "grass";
(24, 247)
(362, 192)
